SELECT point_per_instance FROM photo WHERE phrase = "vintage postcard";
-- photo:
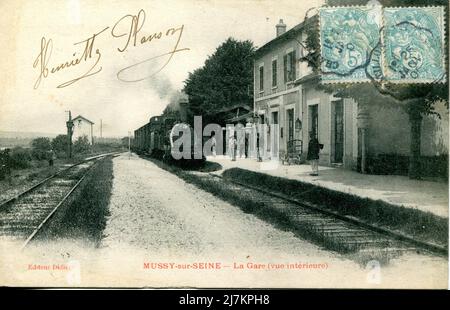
(224, 144)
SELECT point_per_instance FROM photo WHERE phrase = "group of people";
(312, 156)
(234, 145)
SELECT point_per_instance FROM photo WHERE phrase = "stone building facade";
(286, 93)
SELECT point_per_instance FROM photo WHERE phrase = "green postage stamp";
(398, 45)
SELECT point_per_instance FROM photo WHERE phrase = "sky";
(126, 84)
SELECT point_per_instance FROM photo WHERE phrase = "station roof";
(79, 117)
(288, 35)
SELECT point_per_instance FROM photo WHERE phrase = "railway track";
(326, 228)
(22, 216)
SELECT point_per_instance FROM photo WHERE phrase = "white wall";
(81, 128)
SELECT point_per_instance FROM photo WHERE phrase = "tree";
(225, 79)
(81, 145)
(40, 148)
(416, 100)
(60, 143)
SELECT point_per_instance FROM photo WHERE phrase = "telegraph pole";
(129, 144)
(69, 125)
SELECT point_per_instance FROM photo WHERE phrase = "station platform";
(427, 196)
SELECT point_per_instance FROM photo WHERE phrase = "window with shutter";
(293, 67)
(261, 78)
(274, 73)
(289, 67)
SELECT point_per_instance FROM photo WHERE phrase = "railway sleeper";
(22, 217)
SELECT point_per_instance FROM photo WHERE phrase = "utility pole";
(69, 125)
(92, 135)
(101, 128)
(129, 144)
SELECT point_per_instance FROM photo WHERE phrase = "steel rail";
(36, 230)
(66, 196)
(441, 250)
(40, 183)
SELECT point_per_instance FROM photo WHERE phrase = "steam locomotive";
(154, 139)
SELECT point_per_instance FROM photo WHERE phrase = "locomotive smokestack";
(184, 100)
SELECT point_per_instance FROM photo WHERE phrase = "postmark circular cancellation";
(397, 45)
(414, 44)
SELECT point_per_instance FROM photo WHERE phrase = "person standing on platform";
(232, 144)
(258, 150)
(314, 148)
(213, 144)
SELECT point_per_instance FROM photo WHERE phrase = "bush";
(17, 158)
(435, 166)
(81, 145)
(60, 144)
(394, 164)
(20, 158)
(41, 148)
(4, 163)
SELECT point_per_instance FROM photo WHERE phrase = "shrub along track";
(323, 227)
(25, 216)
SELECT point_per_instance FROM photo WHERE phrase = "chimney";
(281, 28)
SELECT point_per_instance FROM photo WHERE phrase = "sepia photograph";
(207, 144)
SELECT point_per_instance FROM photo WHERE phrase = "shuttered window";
(289, 66)
(261, 78)
(274, 72)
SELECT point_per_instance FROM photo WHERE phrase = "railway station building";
(83, 127)
(286, 93)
